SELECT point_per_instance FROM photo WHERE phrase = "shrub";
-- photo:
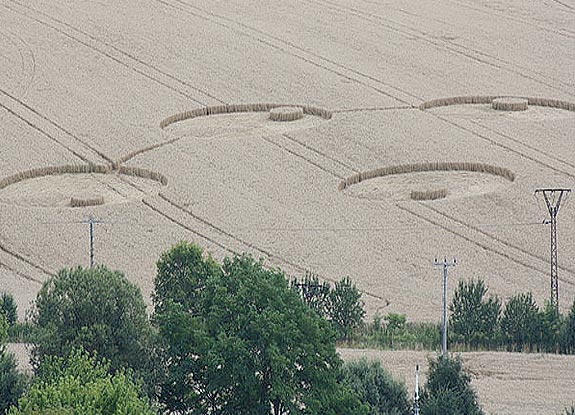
(375, 386)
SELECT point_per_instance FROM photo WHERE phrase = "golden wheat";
(77, 202)
(428, 194)
(488, 99)
(429, 166)
(509, 104)
(286, 114)
(80, 169)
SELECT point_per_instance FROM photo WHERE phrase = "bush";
(375, 386)
(79, 384)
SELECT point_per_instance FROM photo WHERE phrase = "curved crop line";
(487, 99)
(78, 169)
(430, 166)
(234, 108)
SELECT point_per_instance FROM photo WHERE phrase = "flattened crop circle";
(427, 181)
(78, 186)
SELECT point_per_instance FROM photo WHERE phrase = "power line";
(553, 199)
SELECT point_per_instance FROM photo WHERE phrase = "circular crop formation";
(500, 102)
(286, 113)
(78, 186)
(427, 181)
(283, 111)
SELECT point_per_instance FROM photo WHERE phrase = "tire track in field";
(307, 160)
(496, 238)
(186, 227)
(561, 32)
(533, 148)
(54, 124)
(375, 109)
(27, 61)
(452, 47)
(347, 166)
(121, 61)
(231, 236)
(21, 258)
(482, 245)
(19, 273)
(257, 34)
(506, 147)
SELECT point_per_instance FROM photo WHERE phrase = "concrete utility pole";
(416, 401)
(91, 221)
(553, 205)
(445, 264)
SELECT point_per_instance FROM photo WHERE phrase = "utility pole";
(553, 205)
(416, 401)
(91, 221)
(445, 264)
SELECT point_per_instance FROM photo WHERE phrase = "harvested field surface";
(507, 383)
(182, 90)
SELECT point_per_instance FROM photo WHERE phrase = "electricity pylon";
(553, 205)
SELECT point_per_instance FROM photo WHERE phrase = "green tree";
(237, 339)
(314, 294)
(551, 330)
(97, 310)
(345, 308)
(448, 389)
(12, 382)
(569, 331)
(8, 308)
(474, 319)
(375, 386)
(79, 384)
(521, 323)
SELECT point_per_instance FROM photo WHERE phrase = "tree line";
(224, 338)
(481, 321)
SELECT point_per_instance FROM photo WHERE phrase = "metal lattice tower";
(445, 264)
(553, 205)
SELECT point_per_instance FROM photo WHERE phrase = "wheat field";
(171, 100)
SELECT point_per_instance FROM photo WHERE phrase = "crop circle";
(78, 186)
(427, 181)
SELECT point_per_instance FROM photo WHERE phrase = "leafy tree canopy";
(375, 386)
(80, 384)
(448, 390)
(474, 319)
(237, 339)
(520, 322)
(96, 310)
(8, 308)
